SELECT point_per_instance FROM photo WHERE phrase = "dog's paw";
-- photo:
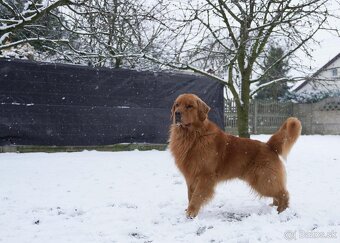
(191, 212)
(280, 209)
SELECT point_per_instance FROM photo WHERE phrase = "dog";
(206, 155)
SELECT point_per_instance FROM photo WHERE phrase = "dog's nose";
(178, 116)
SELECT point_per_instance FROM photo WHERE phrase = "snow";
(4, 37)
(16, 103)
(140, 197)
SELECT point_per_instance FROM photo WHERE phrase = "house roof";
(318, 72)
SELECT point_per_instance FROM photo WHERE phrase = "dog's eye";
(176, 105)
(189, 106)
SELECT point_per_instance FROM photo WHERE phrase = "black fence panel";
(56, 104)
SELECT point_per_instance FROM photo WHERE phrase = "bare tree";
(224, 40)
(18, 17)
(103, 30)
(227, 40)
(94, 32)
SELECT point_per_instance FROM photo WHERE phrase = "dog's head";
(189, 111)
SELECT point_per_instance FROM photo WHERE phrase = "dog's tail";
(283, 140)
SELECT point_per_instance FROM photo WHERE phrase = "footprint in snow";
(234, 217)
(128, 205)
(178, 182)
(176, 175)
(202, 229)
(76, 212)
(138, 235)
(288, 215)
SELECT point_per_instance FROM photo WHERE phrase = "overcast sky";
(329, 43)
(329, 47)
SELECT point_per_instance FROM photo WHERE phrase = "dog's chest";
(192, 158)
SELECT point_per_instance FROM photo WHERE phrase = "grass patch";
(55, 149)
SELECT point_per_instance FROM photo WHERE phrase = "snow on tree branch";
(283, 79)
(30, 40)
(17, 19)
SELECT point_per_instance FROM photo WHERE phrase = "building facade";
(326, 79)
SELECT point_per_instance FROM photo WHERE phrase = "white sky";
(329, 43)
(329, 47)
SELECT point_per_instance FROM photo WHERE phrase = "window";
(334, 72)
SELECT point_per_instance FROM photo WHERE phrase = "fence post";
(255, 118)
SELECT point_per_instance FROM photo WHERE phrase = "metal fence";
(264, 116)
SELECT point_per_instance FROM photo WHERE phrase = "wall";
(320, 118)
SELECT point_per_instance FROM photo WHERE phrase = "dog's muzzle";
(178, 117)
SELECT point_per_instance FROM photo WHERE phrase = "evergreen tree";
(275, 70)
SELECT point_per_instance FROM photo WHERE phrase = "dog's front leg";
(190, 187)
(203, 190)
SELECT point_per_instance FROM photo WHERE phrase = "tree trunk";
(243, 110)
(242, 121)
(118, 62)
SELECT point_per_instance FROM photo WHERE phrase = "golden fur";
(206, 155)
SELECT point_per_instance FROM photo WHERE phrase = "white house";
(326, 79)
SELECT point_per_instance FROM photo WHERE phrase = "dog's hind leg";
(275, 203)
(278, 192)
(270, 181)
(283, 200)
(203, 191)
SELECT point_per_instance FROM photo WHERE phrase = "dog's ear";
(203, 109)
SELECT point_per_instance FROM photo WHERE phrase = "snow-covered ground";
(141, 197)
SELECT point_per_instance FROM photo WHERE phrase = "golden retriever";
(206, 155)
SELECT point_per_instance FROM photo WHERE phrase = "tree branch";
(283, 79)
(32, 18)
(29, 40)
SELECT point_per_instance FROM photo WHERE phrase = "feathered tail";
(283, 140)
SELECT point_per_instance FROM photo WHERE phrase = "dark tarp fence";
(70, 105)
